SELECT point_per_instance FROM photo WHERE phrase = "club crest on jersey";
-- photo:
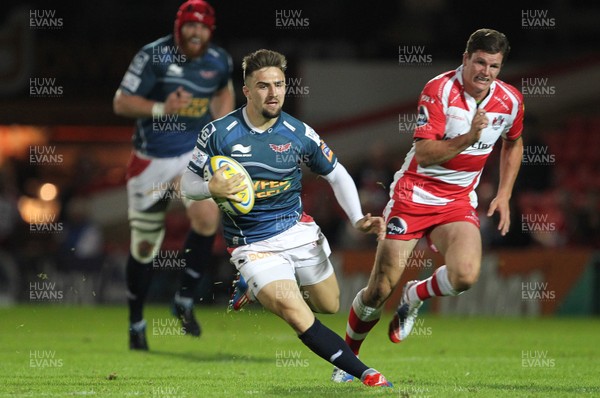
(396, 226)
(423, 116)
(328, 153)
(281, 148)
(497, 122)
(208, 74)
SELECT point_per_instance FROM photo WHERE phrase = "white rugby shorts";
(150, 178)
(299, 254)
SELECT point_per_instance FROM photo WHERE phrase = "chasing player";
(462, 113)
(173, 87)
(276, 247)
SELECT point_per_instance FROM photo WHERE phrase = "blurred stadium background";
(356, 70)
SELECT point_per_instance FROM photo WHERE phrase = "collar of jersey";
(253, 129)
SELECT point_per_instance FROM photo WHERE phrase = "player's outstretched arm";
(510, 162)
(136, 106)
(347, 196)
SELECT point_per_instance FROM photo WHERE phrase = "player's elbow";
(119, 104)
(423, 160)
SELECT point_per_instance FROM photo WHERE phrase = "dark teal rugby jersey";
(157, 70)
(273, 159)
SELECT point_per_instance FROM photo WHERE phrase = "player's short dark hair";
(490, 41)
(262, 59)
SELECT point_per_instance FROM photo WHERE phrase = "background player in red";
(462, 113)
(173, 87)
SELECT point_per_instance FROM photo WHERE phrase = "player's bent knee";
(204, 223)
(464, 281)
(331, 307)
(376, 295)
(147, 234)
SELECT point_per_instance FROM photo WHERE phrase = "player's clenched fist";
(177, 100)
(372, 225)
(479, 122)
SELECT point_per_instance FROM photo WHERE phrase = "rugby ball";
(233, 168)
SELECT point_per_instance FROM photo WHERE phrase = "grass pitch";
(53, 350)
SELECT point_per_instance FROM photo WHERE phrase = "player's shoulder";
(510, 90)
(436, 85)
(218, 53)
(165, 41)
(298, 128)
(228, 122)
(218, 129)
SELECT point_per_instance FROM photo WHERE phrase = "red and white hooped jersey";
(446, 111)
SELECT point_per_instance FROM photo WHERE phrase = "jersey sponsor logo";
(139, 62)
(281, 148)
(457, 117)
(396, 226)
(205, 134)
(131, 82)
(328, 153)
(426, 98)
(502, 102)
(454, 95)
(481, 145)
(259, 256)
(174, 70)
(423, 117)
(310, 133)
(267, 188)
(208, 74)
(241, 151)
(197, 108)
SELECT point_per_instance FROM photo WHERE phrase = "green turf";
(56, 350)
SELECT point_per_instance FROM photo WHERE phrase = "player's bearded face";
(194, 39)
(267, 92)
(480, 70)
